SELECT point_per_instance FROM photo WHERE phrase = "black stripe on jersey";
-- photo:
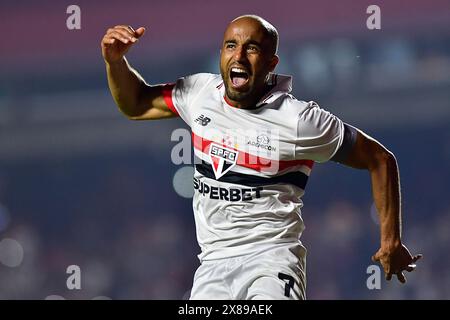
(297, 178)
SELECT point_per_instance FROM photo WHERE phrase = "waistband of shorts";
(219, 254)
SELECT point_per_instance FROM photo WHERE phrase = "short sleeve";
(180, 95)
(319, 134)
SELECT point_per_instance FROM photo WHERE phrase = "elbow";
(133, 118)
(387, 156)
(132, 111)
(134, 106)
(126, 111)
(382, 158)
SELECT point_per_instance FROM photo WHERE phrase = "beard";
(236, 95)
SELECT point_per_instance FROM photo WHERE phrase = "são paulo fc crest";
(222, 159)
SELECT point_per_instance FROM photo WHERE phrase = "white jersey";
(252, 165)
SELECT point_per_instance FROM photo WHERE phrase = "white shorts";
(275, 274)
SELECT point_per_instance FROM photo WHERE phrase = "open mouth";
(238, 76)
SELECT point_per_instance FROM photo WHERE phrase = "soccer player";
(255, 146)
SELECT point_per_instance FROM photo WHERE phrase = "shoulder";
(295, 106)
(306, 110)
(200, 79)
(205, 76)
(309, 118)
(313, 120)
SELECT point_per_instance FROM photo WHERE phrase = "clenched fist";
(118, 40)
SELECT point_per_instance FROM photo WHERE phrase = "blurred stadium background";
(80, 184)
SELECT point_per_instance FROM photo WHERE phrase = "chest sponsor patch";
(222, 159)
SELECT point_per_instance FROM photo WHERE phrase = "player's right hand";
(118, 40)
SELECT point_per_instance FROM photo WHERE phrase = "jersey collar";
(281, 84)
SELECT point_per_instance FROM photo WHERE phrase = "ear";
(273, 62)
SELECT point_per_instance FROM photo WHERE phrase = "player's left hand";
(395, 261)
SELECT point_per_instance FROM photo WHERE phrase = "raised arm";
(369, 154)
(134, 97)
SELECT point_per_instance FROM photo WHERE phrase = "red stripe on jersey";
(251, 161)
(228, 101)
(167, 95)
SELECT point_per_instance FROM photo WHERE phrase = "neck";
(249, 103)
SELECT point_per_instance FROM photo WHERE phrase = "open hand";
(118, 40)
(395, 261)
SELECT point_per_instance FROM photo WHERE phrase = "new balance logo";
(203, 120)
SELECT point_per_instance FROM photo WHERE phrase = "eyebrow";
(252, 42)
(230, 41)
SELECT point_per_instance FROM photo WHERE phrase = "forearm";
(126, 87)
(386, 194)
(369, 154)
